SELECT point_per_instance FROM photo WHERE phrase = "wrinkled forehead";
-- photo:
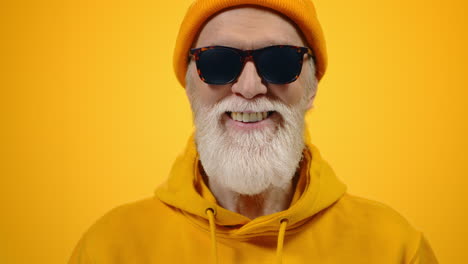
(249, 27)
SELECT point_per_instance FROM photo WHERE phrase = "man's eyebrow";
(276, 42)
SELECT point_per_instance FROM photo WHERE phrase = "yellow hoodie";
(183, 224)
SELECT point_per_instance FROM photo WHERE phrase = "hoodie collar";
(317, 188)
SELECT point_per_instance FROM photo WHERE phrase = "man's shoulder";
(123, 228)
(363, 209)
(379, 226)
(372, 217)
(130, 220)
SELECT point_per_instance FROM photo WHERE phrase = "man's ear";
(310, 103)
(188, 79)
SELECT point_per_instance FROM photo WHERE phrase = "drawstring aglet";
(214, 250)
(279, 247)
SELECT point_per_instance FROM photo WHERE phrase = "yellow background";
(92, 116)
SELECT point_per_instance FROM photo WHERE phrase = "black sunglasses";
(280, 64)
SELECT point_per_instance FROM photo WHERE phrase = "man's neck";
(270, 201)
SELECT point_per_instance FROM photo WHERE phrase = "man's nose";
(249, 84)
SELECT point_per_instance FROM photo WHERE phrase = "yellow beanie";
(302, 12)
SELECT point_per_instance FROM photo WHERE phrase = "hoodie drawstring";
(214, 249)
(279, 247)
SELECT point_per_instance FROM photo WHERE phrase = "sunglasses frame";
(246, 55)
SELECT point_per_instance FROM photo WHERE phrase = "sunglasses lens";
(279, 65)
(219, 65)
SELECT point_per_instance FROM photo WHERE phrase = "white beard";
(249, 162)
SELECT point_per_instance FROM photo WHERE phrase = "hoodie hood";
(317, 188)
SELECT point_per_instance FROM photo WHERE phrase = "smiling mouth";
(249, 117)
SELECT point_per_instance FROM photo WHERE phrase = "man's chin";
(250, 162)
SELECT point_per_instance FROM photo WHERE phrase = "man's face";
(250, 28)
(250, 157)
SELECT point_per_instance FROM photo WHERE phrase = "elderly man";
(250, 187)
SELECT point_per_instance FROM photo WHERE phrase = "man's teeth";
(248, 117)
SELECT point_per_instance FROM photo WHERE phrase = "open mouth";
(249, 117)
